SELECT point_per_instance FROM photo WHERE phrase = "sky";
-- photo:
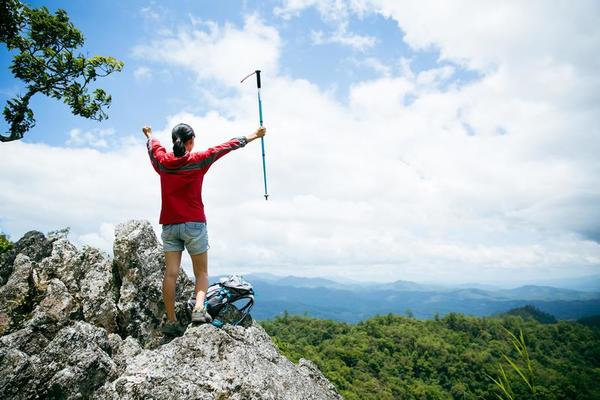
(431, 141)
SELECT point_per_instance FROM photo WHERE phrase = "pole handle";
(257, 78)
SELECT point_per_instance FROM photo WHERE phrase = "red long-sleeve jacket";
(181, 179)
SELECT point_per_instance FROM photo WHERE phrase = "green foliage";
(11, 15)
(532, 312)
(5, 243)
(591, 321)
(46, 62)
(450, 357)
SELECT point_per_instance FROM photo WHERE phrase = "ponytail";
(178, 148)
(180, 134)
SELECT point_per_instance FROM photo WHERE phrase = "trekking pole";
(260, 116)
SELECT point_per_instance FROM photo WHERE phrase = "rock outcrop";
(79, 324)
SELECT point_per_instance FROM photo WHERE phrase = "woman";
(182, 211)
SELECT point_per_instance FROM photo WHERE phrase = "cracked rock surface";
(78, 324)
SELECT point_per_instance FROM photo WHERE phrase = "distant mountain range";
(354, 302)
(589, 283)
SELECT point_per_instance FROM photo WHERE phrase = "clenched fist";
(260, 132)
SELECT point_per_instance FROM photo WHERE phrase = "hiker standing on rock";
(182, 211)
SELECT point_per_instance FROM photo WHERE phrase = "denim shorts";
(192, 235)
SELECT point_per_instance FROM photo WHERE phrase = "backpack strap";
(249, 304)
(245, 310)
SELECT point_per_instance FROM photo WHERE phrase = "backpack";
(221, 299)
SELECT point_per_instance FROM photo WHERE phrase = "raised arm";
(210, 155)
(156, 151)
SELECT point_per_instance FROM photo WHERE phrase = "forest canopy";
(454, 357)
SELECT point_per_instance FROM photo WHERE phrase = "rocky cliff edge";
(77, 324)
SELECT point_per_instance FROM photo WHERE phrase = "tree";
(46, 61)
(5, 243)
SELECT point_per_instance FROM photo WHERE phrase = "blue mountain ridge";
(354, 302)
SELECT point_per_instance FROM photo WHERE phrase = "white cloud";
(94, 138)
(335, 12)
(225, 53)
(341, 36)
(292, 8)
(103, 239)
(376, 65)
(485, 35)
(153, 13)
(415, 177)
(77, 187)
(330, 10)
(142, 73)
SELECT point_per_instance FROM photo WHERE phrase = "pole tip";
(266, 197)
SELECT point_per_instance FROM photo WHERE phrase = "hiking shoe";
(171, 328)
(200, 315)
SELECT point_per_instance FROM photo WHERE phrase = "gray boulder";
(55, 310)
(212, 363)
(139, 262)
(16, 294)
(72, 365)
(33, 244)
(98, 292)
(123, 350)
(63, 263)
(77, 324)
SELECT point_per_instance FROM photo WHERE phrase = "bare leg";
(173, 261)
(200, 262)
